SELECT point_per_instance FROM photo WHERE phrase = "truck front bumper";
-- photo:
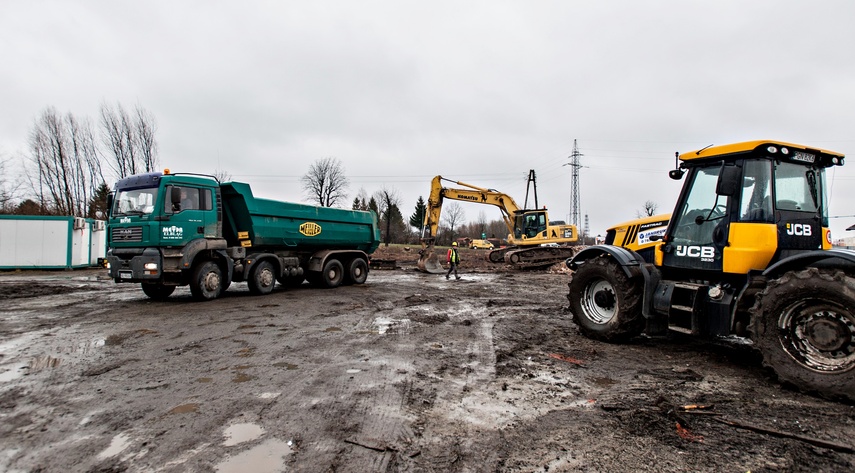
(135, 265)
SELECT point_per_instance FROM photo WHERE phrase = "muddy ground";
(408, 372)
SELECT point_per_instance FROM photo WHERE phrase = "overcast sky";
(478, 91)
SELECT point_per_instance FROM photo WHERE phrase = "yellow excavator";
(532, 241)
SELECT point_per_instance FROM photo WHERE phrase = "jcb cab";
(748, 252)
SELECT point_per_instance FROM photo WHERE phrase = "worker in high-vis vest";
(453, 259)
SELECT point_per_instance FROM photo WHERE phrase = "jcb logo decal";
(705, 253)
(798, 229)
(310, 229)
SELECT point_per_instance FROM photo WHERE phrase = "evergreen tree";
(98, 203)
(418, 217)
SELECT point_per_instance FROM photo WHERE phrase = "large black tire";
(207, 281)
(333, 274)
(606, 304)
(357, 272)
(803, 323)
(262, 278)
(157, 291)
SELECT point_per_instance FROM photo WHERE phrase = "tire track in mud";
(342, 396)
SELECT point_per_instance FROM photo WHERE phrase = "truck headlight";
(151, 266)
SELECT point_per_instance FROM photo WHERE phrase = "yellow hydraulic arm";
(478, 195)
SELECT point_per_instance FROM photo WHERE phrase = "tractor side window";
(756, 200)
(796, 187)
(702, 210)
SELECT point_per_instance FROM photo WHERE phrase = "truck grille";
(127, 234)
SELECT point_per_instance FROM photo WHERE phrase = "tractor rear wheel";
(606, 304)
(803, 323)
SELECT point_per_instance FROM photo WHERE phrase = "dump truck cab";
(747, 251)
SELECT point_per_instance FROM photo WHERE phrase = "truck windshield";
(135, 201)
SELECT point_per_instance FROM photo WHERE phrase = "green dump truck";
(169, 230)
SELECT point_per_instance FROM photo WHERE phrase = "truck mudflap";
(134, 265)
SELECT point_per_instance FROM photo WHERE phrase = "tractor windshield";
(701, 210)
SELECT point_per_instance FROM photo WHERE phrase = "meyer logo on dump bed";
(310, 229)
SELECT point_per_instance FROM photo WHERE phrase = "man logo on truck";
(310, 229)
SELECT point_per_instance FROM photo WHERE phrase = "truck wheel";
(357, 271)
(207, 282)
(804, 325)
(606, 304)
(332, 274)
(262, 278)
(157, 291)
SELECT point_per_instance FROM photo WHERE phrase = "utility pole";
(532, 181)
(575, 207)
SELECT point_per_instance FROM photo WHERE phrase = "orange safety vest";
(452, 257)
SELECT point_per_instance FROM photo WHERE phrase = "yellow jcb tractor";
(747, 251)
(529, 228)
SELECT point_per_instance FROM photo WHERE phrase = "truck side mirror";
(109, 205)
(175, 196)
(728, 181)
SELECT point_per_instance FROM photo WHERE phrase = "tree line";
(69, 160)
(326, 184)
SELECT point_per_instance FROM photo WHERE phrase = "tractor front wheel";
(803, 323)
(606, 304)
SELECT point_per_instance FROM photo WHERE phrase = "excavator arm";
(478, 195)
(468, 193)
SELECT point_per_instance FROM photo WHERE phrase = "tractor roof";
(770, 149)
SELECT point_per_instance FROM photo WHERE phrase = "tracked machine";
(748, 252)
(533, 240)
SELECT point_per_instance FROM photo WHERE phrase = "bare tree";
(129, 140)
(325, 183)
(66, 168)
(391, 221)
(453, 215)
(145, 128)
(222, 176)
(648, 210)
(8, 188)
(360, 202)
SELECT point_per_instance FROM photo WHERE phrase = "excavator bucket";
(429, 262)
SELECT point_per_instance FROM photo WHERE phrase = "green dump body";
(301, 227)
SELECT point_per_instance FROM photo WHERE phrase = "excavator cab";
(529, 223)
